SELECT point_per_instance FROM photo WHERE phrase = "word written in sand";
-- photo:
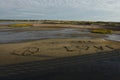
(85, 48)
(27, 51)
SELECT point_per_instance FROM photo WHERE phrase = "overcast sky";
(97, 10)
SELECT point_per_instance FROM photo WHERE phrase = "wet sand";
(52, 48)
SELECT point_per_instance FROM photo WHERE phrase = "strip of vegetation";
(113, 24)
(20, 25)
(81, 22)
(102, 31)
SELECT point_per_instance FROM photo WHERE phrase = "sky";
(83, 10)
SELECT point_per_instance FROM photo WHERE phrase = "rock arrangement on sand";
(26, 51)
(64, 48)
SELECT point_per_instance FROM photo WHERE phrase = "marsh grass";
(21, 25)
(102, 31)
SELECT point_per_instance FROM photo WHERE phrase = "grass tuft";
(20, 25)
(102, 31)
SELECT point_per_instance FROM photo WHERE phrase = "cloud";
(59, 8)
(95, 4)
(30, 14)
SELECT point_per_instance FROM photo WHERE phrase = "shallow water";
(18, 35)
(114, 37)
(7, 36)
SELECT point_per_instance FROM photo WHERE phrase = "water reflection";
(11, 35)
(114, 37)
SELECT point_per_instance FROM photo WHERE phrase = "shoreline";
(46, 49)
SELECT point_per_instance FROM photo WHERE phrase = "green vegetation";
(20, 25)
(80, 22)
(102, 31)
